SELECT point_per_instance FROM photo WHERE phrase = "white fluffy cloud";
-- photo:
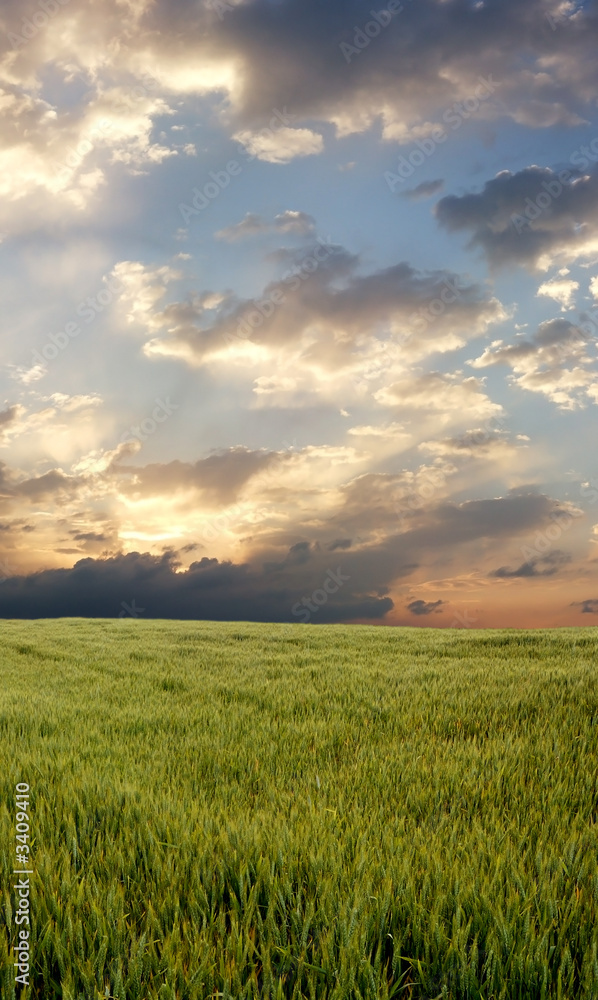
(562, 290)
(281, 146)
(550, 362)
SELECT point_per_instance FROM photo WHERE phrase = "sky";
(299, 311)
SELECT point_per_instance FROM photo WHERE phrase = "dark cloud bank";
(341, 583)
(150, 586)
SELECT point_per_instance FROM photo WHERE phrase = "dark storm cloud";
(375, 501)
(589, 607)
(296, 55)
(340, 543)
(523, 217)
(273, 580)
(401, 539)
(546, 565)
(424, 607)
(423, 59)
(144, 584)
(449, 525)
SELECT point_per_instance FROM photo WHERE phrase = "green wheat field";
(288, 811)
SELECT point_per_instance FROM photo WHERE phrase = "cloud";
(483, 442)
(340, 543)
(55, 160)
(424, 607)
(280, 568)
(295, 223)
(130, 67)
(554, 341)
(208, 589)
(424, 190)
(52, 484)
(99, 112)
(299, 223)
(559, 227)
(562, 290)
(217, 478)
(142, 289)
(47, 433)
(589, 607)
(266, 55)
(8, 419)
(541, 362)
(565, 387)
(259, 58)
(282, 146)
(444, 395)
(394, 432)
(321, 318)
(546, 565)
(250, 225)
(8, 416)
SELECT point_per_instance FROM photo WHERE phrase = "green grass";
(243, 811)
